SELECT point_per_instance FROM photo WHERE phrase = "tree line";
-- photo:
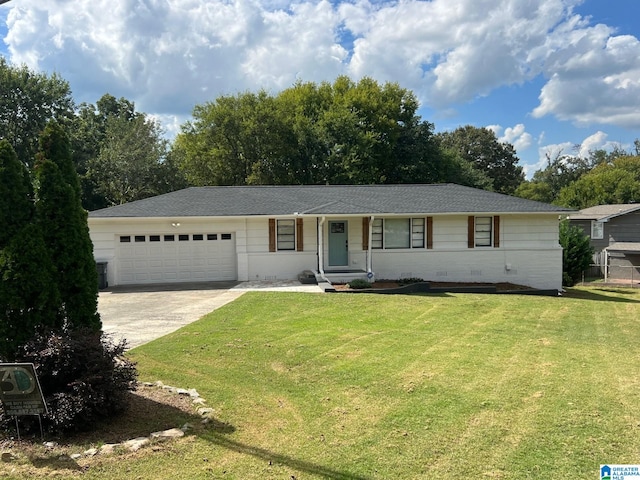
(340, 132)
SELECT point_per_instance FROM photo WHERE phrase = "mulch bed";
(386, 284)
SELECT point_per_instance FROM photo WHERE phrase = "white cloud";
(516, 136)
(596, 141)
(594, 79)
(169, 55)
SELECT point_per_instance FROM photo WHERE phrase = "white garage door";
(170, 257)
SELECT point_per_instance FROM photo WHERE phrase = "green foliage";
(16, 203)
(359, 284)
(120, 154)
(28, 291)
(84, 376)
(341, 133)
(62, 217)
(577, 252)
(607, 183)
(29, 296)
(28, 101)
(481, 148)
(410, 280)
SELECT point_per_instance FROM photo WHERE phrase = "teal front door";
(338, 244)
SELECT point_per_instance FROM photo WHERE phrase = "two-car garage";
(172, 257)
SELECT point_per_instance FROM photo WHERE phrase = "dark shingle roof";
(325, 200)
(604, 212)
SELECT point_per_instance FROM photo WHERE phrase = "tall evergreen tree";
(62, 217)
(28, 292)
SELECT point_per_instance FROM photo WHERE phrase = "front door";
(338, 244)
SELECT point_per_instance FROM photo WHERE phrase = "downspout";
(606, 264)
(369, 250)
(321, 249)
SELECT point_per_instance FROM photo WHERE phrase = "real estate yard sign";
(20, 390)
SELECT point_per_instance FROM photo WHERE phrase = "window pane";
(483, 231)
(597, 230)
(140, 238)
(169, 238)
(396, 233)
(417, 232)
(183, 238)
(225, 236)
(125, 239)
(154, 238)
(212, 236)
(198, 236)
(286, 234)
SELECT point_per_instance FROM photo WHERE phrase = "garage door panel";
(167, 261)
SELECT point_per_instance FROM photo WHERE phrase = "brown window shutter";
(365, 233)
(299, 235)
(471, 231)
(272, 234)
(496, 231)
(429, 232)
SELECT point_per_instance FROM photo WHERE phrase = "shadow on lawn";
(592, 294)
(273, 457)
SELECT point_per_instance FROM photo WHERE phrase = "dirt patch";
(150, 409)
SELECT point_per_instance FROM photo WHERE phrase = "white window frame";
(597, 230)
(483, 232)
(286, 235)
(416, 233)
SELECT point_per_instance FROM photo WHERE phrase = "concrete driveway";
(140, 314)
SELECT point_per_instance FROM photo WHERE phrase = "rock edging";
(136, 444)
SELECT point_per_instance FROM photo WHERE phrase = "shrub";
(358, 284)
(83, 374)
(576, 254)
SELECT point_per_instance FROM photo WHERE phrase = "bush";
(577, 253)
(358, 284)
(83, 374)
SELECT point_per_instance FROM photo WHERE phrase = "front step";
(344, 276)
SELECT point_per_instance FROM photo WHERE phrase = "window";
(125, 238)
(154, 238)
(212, 236)
(393, 233)
(286, 234)
(417, 233)
(483, 231)
(198, 236)
(140, 238)
(597, 230)
(183, 238)
(225, 236)
(169, 238)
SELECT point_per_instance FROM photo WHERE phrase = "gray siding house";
(615, 236)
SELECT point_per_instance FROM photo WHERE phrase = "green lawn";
(381, 387)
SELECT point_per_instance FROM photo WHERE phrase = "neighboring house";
(615, 236)
(440, 232)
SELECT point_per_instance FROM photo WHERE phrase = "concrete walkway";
(140, 314)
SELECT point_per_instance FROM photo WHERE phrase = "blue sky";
(547, 76)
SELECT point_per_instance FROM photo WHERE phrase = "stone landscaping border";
(135, 444)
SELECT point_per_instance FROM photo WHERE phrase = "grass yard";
(358, 387)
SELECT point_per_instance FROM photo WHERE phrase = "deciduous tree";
(27, 102)
(480, 146)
